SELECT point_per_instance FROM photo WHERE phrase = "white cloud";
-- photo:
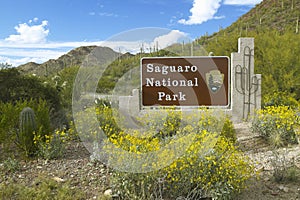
(105, 14)
(219, 17)
(42, 53)
(242, 2)
(21, 53)
(30, 34)
(33, 20)
(202, 11)
(168, 39)
(20, 61)
(18, 56)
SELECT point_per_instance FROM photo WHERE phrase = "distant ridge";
(74, 57)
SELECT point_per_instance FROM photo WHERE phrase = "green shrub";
(15, 87)
(277, 124)
(228, 130)
(217, 123)
(280, 99)
(9, 120)
(51, 145)
(10, 165)
(42, 188)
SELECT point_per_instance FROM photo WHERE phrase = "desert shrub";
(10, 122)
(217, 123)
(277, 124)
(9, 118)
(105, 116)
(42, 188)
(51, 145)
(209, 166)
(228, 130)
(219, 173)
(170, 124)
(284, 170)
(10, 165)
(205, 170)
(280, 99)
(15, 87)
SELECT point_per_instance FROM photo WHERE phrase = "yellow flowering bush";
(209, 165)
(133, 142)
(221, 124)
(204, 170)
(218, 173)
(50, 146)
(106, 118)
(278, 124)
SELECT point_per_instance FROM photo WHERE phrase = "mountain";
(271, 14)
(279, 15)
(74, 57)
(274, 25)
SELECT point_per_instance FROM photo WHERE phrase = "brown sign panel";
(185, 81)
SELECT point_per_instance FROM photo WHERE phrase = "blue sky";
(38, 30)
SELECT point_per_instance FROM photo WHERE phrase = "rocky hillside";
(280, 15)
(271, 14)
(73, 58)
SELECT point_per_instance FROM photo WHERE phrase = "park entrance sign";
(185, 81)
(188, 82)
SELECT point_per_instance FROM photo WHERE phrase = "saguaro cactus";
(27, 128)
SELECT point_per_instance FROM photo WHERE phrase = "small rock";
(286, 189)
(283, 188)
(57, 179)
(108, 192)
(274, 193)
(39, 167)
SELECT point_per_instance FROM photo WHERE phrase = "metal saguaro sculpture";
(246, 89)
(248, 83)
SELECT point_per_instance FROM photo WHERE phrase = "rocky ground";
(79, 171)
(267, 161)
(75, 168)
